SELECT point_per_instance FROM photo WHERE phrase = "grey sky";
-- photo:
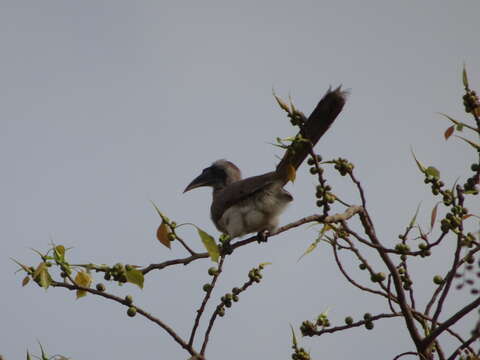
(106, 105)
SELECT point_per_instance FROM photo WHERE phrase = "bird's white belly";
(254, 214)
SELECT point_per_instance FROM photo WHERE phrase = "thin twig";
(140, 311)
(184, 244)
(204, 301)
(449, 322)
(245, 286)
(331, 330)
(407, 312)
(405, 353)
(451, 273)
(463, 346)
(349, 279)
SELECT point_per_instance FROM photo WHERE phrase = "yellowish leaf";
(59, 252)
(310, 248)
(281, 103)
(83, 279)
(433, 216)
(291, 173)
(162, 235)
(41, 275)
(135, 276)
(419, 164)
(465, 76)
(210, 245)
(25, 280)
(24, 267)
(475, 145)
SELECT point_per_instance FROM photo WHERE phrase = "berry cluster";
(471, 101)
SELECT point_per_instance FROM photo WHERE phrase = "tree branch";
(140, 311)
(425, 343)
(204, 302)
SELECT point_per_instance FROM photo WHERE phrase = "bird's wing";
(238, 191)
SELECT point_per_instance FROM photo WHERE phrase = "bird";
(253, 205)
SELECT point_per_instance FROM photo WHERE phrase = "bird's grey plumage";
(250, 205)
(243, 206)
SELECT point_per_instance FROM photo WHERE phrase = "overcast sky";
(106, 105)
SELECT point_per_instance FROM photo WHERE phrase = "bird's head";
(220, 174)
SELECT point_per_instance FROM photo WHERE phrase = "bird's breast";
(255, 213)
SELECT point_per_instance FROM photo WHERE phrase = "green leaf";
(310, 248)
(135, 276)
(294, 338)
(460, 125)
(414, 219)
(280, 102)
(25, 280)
(433, 216)
(264, 264)
(39, 253)
(41, 275)
(419, 164)
(475, 145)
(59, 253)
(28, 356)
(24, 267)
(210, 245)
(44, 356)
(162, 215)
(465, 77)
(433, 172)
(83, 279)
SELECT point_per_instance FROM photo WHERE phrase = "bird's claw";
(226, 248)
(262, 236)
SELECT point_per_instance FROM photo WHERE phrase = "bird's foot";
(226, 248)
(262, 236)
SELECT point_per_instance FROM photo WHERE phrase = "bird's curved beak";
(204, 179)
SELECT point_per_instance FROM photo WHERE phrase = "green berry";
(367, 316)
(207, 287)
(212, 271)
(100, 287)
(423, 246)
(132, 311)
(349, 320)
(129, 299)
(369, 325)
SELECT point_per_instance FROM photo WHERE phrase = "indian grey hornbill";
(244, 206)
